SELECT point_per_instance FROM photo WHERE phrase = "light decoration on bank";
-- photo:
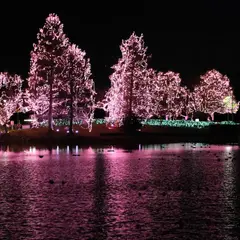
(152, 122)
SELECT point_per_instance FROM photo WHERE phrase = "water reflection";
(99, 210)
(166, 191)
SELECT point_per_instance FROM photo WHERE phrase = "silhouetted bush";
(131, 124)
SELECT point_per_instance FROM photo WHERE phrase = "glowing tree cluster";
(213, 93)
(128, 82)
(79, 87)
(59, 80)
(60, 85)
(136, 89)
(10, 96)
(46, 67)
(139, 90)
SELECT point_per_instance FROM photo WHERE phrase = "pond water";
(171, 191)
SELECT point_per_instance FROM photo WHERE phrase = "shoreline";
(122, 139)
(101, 135)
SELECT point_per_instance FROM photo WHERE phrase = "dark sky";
(189, 39)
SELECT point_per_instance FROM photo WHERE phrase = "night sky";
(189, 39)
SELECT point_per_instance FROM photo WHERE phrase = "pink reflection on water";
(129, 176)
(180, 147)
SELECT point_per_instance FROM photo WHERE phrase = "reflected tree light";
(57, 151)
(34, 149)
(76, 148)
(228, 181)
(111, 149)
(89, 150)
(67, 149)
(228, 148)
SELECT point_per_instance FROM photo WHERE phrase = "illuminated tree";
(128, 83)
(10, 96)
(46, 67)
(230, 105)
(169, 96)
(210, 94)
(79, 87)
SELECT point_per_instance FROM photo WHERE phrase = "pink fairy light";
(10, 96)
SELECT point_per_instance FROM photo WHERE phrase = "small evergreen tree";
(79, 87)
(46, 67)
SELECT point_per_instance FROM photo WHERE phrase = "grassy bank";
(100, 134)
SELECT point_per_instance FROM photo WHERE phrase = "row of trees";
(60, 82)
(60, 85)
(139, 90)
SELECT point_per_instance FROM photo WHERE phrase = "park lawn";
(97, 130)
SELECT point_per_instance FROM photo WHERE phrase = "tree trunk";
(5, 128)
(71, 108)
(130, 96)
(212, 116)
(50, 125)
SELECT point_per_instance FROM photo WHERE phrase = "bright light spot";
(57, 150)
(67, 149)
(77, 131)
(76, 148)
(197, 120)
(34, 149)
(228, 148)
(29, 120)
(57, 130)
(67, 131)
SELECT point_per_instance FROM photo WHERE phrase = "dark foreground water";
(173, 191)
